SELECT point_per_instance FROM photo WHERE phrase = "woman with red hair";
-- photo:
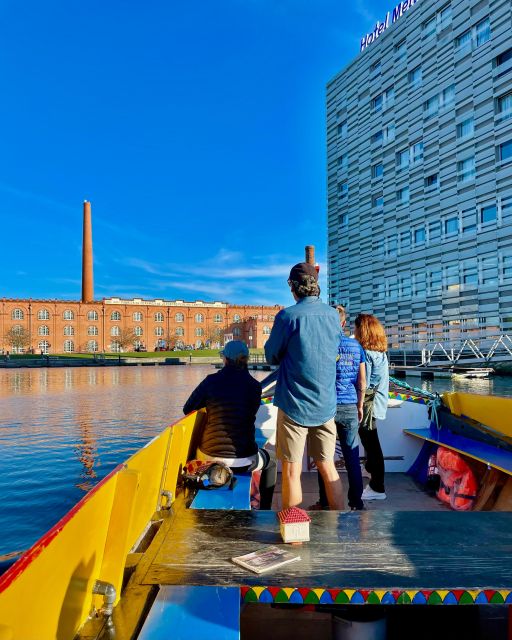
(370, 334)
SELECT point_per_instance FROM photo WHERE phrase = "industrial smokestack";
(87, 269)
(310, 254)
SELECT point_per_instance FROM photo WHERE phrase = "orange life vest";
(458, 483)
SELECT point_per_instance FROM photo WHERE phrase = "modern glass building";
(419, 151)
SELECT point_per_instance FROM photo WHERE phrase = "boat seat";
(184, 612)
(237, 497)
(495, 457)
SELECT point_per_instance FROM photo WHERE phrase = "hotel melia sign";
(391, 18)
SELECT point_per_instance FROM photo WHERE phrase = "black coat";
(231, 398)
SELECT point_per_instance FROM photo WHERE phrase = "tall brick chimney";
(310, 254)
(87, 269)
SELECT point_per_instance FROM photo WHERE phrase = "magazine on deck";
(266, 559)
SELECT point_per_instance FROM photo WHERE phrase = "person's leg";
(323, 502)
(268, 478)
(374, 458)
(322, 446)
(290, 443)
(347, 427)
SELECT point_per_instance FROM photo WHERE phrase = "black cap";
(301, 270)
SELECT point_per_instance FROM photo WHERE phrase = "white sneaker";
(370, 494)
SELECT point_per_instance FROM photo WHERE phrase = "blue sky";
(196, 129)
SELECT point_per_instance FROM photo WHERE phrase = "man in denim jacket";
(304, 342)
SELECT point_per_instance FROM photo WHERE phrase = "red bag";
(459, 487)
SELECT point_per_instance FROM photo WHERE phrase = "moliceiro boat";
(141, 553)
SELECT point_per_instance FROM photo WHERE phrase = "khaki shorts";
(291, 439)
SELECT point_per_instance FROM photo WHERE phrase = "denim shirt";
(377, 377)
(304, 342)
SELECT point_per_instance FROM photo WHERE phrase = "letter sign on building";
(391, 18)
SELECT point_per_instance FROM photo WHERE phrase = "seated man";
(232, 398)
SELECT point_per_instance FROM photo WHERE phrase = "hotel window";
(419, 283)
(489, 265)
(503, 57)
(431, 106)
(159, 331)
(483, 31)
(447, 96)
(69, 330)
(137, 316)
(237, 318)
(434, 230)
(416, 152)
(402, 160)
(92, 331)
(503, 106)
(506, 151)
(43, 314)
(402, 195)
(470, 276)
(92, 315)
(488, 213)
(389, 133)
(378, 170)
(415, 77)
(383, 100)
(43, 330)
(451, 226)
(391, 246)
(343, 129)
(432, 180)
(138, 331)
(377, 103)
(405, 241)
(199, 332)
(465, 128)
(405, 286)
(217, 317)
(378, 202)
(435, 281)
(451, 277)
(466, 170)
(343, 219)
(429, 27)
(464, 40)
(17, 314)
(159, 317)
(401, 50)
(343, 161)
(179, 317)
(92, 346)
(180, 331)
(115, 331)
(419, 236)
(115, 315)
(378, 136)
(444, 18)
(69, 346)
(343, 189)
(199, 317)
(375, 66)
(507, 266)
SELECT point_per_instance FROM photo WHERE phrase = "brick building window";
(68, 315)
(17, 314)
(217, 317)
(69, 346)
(179, 317)
(92, 346)
(92, 331)
(115, 331)
(43, 330)
(92, 315)
(199, 317)
(236, 331)
(137, 316)
(266, 331)
(159, 317)
(69, 330)
(43, 314)
(237, 318)
(138, 331)
(159, 331)
(115, 315)
(199, 331)
(44, 346)
(180, 331)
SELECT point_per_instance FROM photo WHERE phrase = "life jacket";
(458, 486)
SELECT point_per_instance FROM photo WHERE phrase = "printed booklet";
(265, 559)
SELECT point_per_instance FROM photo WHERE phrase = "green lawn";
(198, 353)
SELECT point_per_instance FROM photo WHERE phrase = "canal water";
(62, 430)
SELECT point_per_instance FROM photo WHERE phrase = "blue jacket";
(350, 356)
(304, 342)
(377, 377)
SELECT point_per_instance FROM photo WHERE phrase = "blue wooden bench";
(495, 457)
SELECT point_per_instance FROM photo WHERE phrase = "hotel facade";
(419, 153)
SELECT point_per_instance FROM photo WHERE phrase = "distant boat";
(481, 372)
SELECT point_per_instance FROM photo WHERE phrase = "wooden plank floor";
(360, 550)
